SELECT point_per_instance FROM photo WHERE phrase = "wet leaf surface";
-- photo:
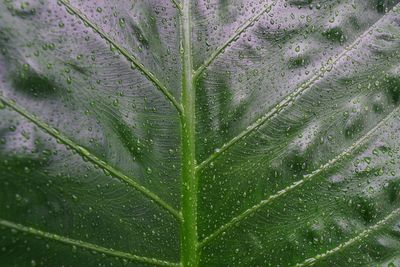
(209, 132)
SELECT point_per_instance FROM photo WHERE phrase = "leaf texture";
(210, 133)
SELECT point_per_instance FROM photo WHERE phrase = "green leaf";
(200, 133)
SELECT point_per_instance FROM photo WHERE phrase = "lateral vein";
(359, 237)
(85, 154)
(83, 244)
(148, 74)
(247, 24)
(289, 99)
(346, 153)
(177, 5)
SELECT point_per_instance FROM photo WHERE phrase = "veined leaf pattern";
(212, 133)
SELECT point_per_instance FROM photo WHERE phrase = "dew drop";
(122, 22)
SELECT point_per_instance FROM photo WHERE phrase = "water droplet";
(18, 197)
(122, 22)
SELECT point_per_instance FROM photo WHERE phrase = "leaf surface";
(212, 133)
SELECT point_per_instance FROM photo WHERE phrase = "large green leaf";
(207, 132)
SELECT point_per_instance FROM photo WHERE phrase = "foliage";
(207, 132)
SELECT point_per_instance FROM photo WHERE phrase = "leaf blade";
(83, 244)
(92, 158)
(124, 52)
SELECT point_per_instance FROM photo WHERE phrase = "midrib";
(188, 232)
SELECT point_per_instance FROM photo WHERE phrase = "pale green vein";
(125, 53)
(84, 153)
(289, 99)
(176, 4)
(85, 245)
(347, 152)
(247, 24)
(189, 203)
(359, 237)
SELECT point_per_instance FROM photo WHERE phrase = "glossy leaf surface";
(207, 132)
